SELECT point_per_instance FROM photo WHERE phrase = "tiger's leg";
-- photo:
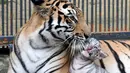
(14, 64)
(10, 69)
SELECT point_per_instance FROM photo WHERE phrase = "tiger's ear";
(102, 54)
(37, 2)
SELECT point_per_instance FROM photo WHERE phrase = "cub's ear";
(37, 2)
(102, 54)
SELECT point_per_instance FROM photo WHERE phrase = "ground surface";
(3, 63)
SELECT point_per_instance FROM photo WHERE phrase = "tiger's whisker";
(69, 48)
(81, 46)
(67, 39)
(63, 41)
(73, 48)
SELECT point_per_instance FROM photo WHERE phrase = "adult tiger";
(42, 44)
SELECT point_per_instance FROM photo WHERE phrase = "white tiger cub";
(84, 62)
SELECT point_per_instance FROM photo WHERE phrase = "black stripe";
(126, 54)
(59, 19)
(61, 13)
(55, 36)
(12, 66)
(12, 60)
(17, 53)
(125, 44)
(42, 36)
(102, 64)
(54, 2)
(114, 41)
(68, 22)
(50, 29)
(48, 4)
(57, 59)
(65, 1)
(57, 4)
(50, 22)
(52, 68)
(52, 56)
(119, 63)
(57, 68)
(64, 27)
(61, 27)
(59, 31)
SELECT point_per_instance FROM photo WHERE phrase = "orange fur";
(33, 24)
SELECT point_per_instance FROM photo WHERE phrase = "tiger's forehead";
(53, 2)
(57, 0)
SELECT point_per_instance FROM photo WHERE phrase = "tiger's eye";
(65, 6)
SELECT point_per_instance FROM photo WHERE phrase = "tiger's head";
(52, 6)
(71, 25)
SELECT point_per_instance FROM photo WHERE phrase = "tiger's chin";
(77, 45)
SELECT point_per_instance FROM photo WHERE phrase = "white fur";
(80, 65)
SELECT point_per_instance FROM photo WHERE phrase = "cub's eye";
(96, 55)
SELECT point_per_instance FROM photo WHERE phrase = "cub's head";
(92, 50)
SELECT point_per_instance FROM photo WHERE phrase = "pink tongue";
(89, 48)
